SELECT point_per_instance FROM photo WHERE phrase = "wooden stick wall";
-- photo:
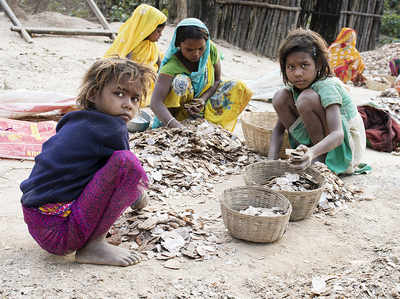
(365, 18)
(259, 26)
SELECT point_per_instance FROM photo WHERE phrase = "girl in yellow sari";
(137, 39)
(344, 59)
(189, 82)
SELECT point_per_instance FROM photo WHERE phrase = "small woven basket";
(262, 229)
(257, 130)
(303, 202)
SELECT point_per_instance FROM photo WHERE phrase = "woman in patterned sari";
(189, 82)
(344, 59)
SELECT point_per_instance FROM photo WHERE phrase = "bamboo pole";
(254, 18)
(234, 24)
(267, 40)
(359, 23)
(371, 9)
(269, 44)
(296, 20)
(262, 30)
(100, 17)
(352, 17)
(15, 21)
(244, 24)
(259, 4)
(63, 31)
(361, 14)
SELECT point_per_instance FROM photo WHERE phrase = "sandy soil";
(357, 250)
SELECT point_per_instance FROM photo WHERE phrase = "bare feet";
(101, 253)
(141, 202)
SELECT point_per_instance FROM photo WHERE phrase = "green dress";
(345, 157)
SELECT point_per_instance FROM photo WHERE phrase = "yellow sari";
(344, 59)
(222, 108)
(132, 39)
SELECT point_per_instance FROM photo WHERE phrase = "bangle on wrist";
(169, 121)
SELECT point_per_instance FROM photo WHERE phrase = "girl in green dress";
(315, 108)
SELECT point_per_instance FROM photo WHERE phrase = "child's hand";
(195, 107)
(301, 158)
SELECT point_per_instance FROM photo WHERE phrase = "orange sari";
(344, 59)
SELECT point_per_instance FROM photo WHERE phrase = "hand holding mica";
(195, 107)
(301, 157)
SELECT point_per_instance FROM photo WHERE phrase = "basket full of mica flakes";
(302, 188)
(255, 213)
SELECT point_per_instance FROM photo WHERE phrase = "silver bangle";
(171, 119)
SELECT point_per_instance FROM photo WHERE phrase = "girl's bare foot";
(101, 253)
(141, 202)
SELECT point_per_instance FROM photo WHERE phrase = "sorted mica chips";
(266, 212)
(292, 182)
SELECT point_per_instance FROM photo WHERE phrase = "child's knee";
(128, 165)
(280, 99)
(308, 101)
(124, 157)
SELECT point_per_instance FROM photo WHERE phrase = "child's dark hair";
(109, 70)
(161, 25)
(308, 41)
(189, 32)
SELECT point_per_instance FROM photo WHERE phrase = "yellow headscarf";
(344, 59)
(132, 36)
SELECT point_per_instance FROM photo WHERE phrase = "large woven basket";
(257, 130)
(261, 229)
(303, 202)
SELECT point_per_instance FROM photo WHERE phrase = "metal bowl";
(140, 123)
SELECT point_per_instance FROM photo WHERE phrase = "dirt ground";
(356, 250)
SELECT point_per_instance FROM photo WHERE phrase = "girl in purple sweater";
(86, 176)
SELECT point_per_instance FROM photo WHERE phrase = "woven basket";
(254, 228)
(257, 130)
(303, 202)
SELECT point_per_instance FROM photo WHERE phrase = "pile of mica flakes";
(190, 159)
(265, 212)
(336, 193)
(389, 100)
(377, 61)
(292, 182)
(163, 234)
